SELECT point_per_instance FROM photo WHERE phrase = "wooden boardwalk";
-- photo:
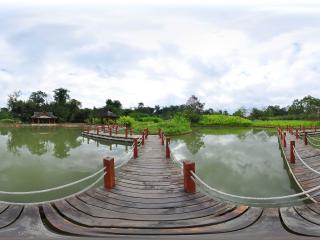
(305, 177)
(149, 199)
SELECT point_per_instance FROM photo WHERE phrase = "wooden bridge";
(149, 199)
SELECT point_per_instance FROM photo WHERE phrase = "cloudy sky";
(229, 55)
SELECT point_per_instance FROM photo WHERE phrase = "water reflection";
(40, 158)
(239, 161)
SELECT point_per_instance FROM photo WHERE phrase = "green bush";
(223, 120)
(7, 120)
(126, 120)
(285, 123)
(151, 119)
(177, 125)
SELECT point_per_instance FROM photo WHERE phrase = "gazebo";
(43, 117)
(104, 113)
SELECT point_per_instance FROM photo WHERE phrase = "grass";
(177, 125)
(284, 123)
(7, 120)
(223, 120)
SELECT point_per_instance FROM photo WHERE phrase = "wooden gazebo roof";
(105, 113)
(43, 115)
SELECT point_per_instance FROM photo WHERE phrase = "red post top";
(109, 177)
(189, 184)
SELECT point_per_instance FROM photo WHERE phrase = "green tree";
(193, 109)
(114, 106)
(61, 95)
(39, 98)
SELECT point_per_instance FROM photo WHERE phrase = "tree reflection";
(193, 141)
(39, 140)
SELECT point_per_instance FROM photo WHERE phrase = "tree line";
(68, 109)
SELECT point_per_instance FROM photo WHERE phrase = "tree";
(256, 114)
(140, 105)
(114, 106)
(241, 112)
(193, 109)
(39, 98)
(61, 95)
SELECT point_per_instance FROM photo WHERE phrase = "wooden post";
(189, 184)
(97, 130)
(130, 131)
(110, 131)
(305, 138)
(284, 140)
(109, 177)
(126, 132)
(292, 156)
(162, 138)
(117, 129)
(142, 141)
(167, 147)
(135, 148)
(159, 132)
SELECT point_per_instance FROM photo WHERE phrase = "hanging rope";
(58, 199)
(54, 188)
(304, 163)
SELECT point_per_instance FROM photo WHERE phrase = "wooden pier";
(305, 177)
(149, 199)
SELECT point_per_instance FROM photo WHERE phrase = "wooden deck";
(149, 200)
(306, 178)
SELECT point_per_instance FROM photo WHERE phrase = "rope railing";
(58, 199)
(266, 200)
(54, 188)
(304, 163)
(275, 200)
(311, 141)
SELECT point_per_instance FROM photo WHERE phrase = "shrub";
(126, 120)
(224, 120)
(7, 120)
(151, 119)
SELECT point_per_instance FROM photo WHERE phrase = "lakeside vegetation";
(174, 119)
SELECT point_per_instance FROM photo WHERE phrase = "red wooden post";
(292, 156)
(162, 138)
(135, 148)
(189, 184)
(109, 177)
(297, 133)
(98, 130)
(116, 129)
(284, 140)
(142, 141)
(130, 131)
(167, 147)
(110, 131)
(126, 132)
(306, 138)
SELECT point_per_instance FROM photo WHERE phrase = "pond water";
(245, 162)
(238, 161)
(45, 157)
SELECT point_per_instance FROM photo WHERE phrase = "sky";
(230, 54)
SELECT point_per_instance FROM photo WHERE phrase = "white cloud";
(163, 55)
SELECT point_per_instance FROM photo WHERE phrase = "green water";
(238, 161)
(41, 158)
(246, 162)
